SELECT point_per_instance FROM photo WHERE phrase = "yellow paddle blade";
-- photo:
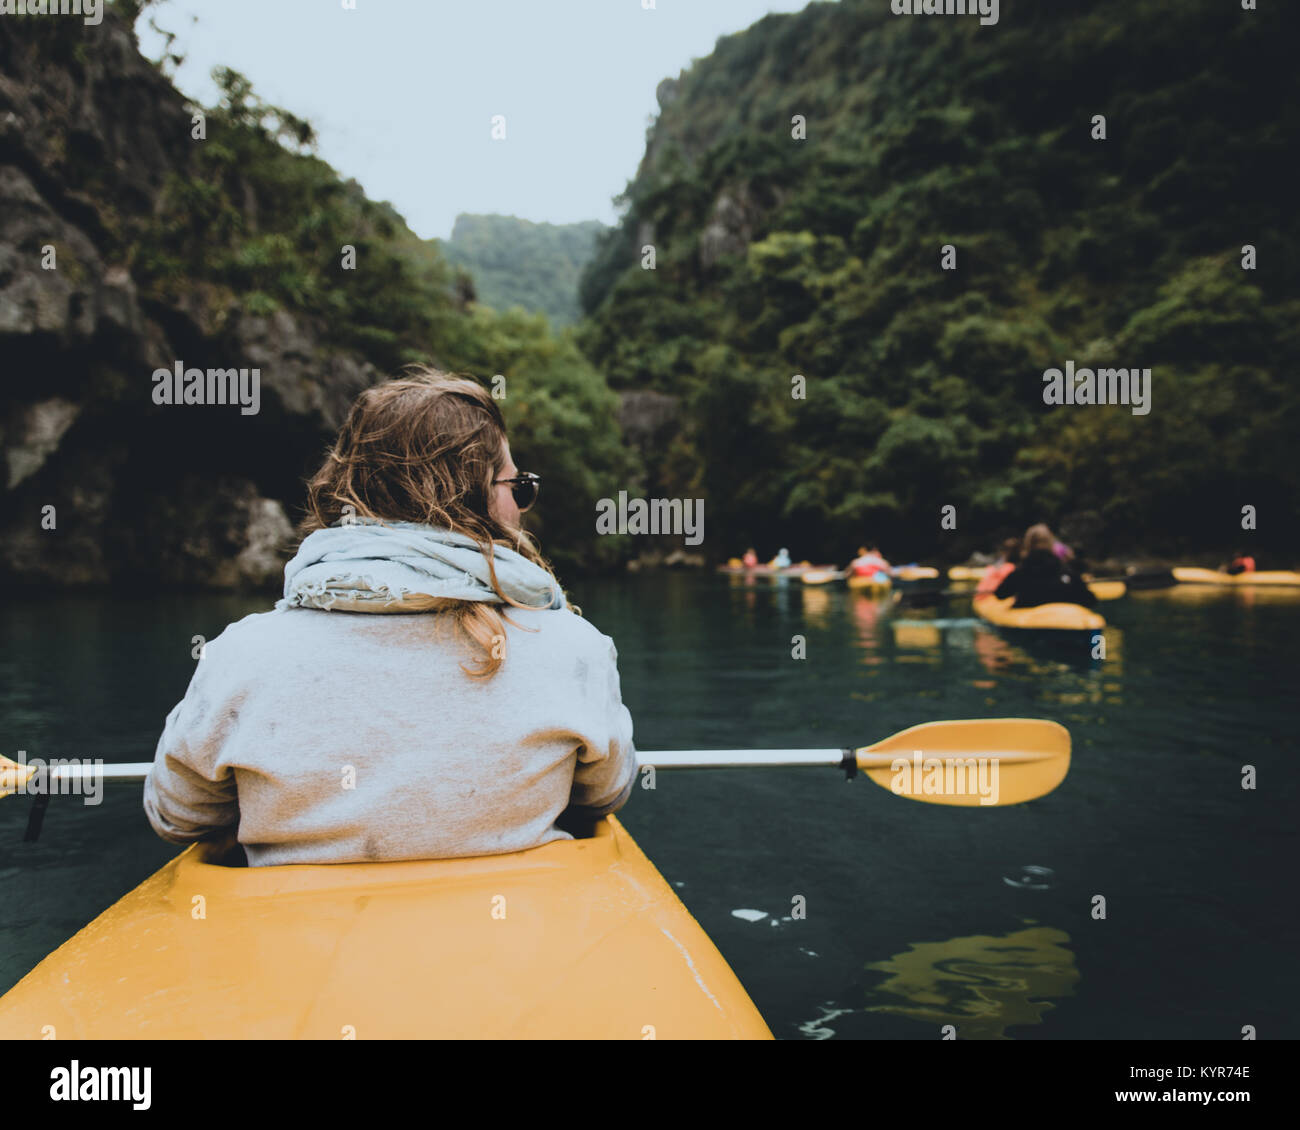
(1108, 590)
(979, 762)
(13, 775)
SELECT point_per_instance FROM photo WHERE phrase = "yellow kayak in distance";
(874, 583)
(821, 576)
(578, 939)
(1107, 590)
(1055, 617)
(966, 573)
(916, 573)
(1189, 576)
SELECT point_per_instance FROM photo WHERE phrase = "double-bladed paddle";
(973, 762)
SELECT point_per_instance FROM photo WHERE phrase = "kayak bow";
(578, 939)
(877, 582)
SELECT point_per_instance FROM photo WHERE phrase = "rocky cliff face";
(100, 484)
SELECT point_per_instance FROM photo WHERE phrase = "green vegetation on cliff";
(229, 243)
(822, 257)
(396, 307)
(775, 257)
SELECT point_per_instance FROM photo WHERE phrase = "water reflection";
(868, 613)
(982, 985)
(1068, 671)
(1246, 595)
(816, 605)
(1266, 597)
(1069, 668)
(916, 634)
(1031, 877)
(995, 653)
(1205, 678)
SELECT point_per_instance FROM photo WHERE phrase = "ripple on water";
(1031, 877)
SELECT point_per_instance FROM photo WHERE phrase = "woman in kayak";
(750, 560)
(423, 690)
(1042, 577)
(869, 562)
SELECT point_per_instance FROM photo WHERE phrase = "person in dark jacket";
(1042, 577)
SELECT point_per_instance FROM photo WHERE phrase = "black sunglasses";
(525, 488)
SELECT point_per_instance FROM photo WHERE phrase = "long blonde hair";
(1037, 537)
(426, 448)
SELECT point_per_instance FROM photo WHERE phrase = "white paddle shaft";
(723, 758)
(660, 759)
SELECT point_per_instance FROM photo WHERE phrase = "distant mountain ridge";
(516, 262)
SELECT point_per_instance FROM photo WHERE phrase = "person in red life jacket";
(868, 563)
(750, 560)
(996, 573)
(1042, 577)
(1241, 563)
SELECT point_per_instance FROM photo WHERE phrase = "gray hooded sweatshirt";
(337, 736)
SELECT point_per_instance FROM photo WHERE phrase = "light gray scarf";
(367, 566)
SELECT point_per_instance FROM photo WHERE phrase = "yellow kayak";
(1214, 577)
(821, 576)
(875, 583)
(1107, 590)
(579, 939)
(966, 573)
(1065, 617)
(916, 573)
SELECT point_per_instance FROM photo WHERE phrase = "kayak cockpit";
(227, 851)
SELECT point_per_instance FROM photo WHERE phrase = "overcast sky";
(402, 92)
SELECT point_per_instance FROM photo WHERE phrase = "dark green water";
(918, 915)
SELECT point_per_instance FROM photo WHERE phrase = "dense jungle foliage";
(822, 257)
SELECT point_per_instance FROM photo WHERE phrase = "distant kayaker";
(869, 562)
(1001, 568)
(782, 559)
(1241, 563)
(750, 560)
(423, 690)
(1041, 577)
